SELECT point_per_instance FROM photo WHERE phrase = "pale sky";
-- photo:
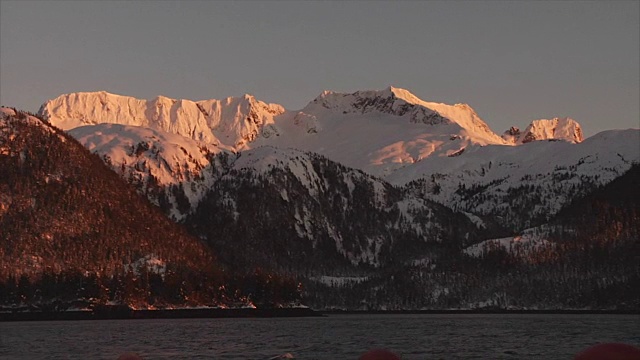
(513, 62)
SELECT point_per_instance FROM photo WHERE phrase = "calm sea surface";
(333, 337)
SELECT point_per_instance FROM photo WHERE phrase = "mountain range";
(356, 189)
(374, 131)
(444, 153)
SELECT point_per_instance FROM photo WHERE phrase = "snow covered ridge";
(523, 185)
(400, 102)
(6, 113)
(237, 123)
(240, 119)
(557, 128)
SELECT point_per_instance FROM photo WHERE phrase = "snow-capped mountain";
(565, 129)
(381, 131)
(231, 122)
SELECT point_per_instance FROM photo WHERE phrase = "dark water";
(333, 337)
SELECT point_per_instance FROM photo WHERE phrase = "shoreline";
(121, 313)
(129, 314)
(485, 311)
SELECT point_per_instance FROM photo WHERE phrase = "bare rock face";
(511, 136)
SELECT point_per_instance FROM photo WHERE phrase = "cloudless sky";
(513, 62)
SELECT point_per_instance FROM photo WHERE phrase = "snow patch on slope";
(264, 159)
(520, 245)
(339, 281)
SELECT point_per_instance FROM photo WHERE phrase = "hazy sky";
(513, 62)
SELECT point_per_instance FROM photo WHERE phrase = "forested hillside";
(72, 228)
(305, 214)
(64, 208)
(590, 259)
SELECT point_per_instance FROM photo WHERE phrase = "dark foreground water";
(333, 337)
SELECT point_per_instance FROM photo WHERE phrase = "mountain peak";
(392, 101)
(390, 92)
(557, 128)
(403, 94)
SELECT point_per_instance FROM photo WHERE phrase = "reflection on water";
(334, 337)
